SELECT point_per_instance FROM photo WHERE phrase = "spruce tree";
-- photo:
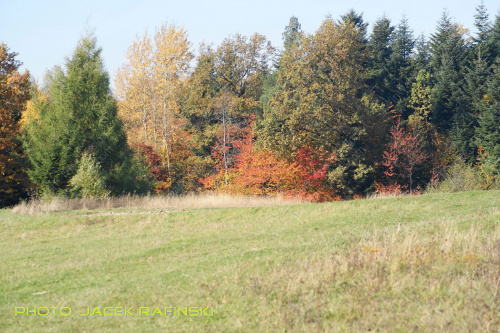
(292, 33)
(400, 69)
(449, 60)
(481, 23)
(379, 45)
(480, 66)
(357, 19)
(488, 132)
(422, 55)
(494, 39)
(80, 116)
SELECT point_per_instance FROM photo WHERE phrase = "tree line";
(336, 114)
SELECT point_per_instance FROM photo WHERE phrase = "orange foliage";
(260, 172)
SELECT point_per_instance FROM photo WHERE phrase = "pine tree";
(80, 116)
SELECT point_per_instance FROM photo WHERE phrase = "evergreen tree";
(494, 39)
(476, 79)
(449, 59)
(357, 19)
(292, 33)
(488, 132)
(480, 66)
(291, 37)
(379, 45)
(80, 116)
(400, 70)
(422, 55)
(482, 24)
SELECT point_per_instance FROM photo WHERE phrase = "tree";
(318, 104)
(149, 88)
(171, 63)
(482, 24)
(488, 132)
(258, 172)
(420, 100)
(292, 33)
(403, 155)
(355, 18)
(400, 70)
(379, 45)
(422, 56)
(14, 93)
(479, 68)
(434, 145)
(134, 90)
(89, 182)
(80, 116)
(494, 39)
(224, 90)
(451, 112)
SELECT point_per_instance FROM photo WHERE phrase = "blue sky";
(44, 33)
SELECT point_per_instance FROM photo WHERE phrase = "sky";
(44, 33)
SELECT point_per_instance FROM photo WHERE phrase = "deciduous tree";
(14, 93)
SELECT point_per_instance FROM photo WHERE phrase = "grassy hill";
(421, 263)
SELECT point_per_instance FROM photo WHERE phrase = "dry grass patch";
(149, 202)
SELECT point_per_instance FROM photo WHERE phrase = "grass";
(416, 263)
(188, 201)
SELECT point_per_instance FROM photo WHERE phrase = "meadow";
(402, 264)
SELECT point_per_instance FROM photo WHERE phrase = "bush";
(459, 177)
(88, 182)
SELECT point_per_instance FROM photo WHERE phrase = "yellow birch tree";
(134, 88)
(171, 64)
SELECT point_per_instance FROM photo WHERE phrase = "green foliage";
(79, 114)
(449, 61)
(494, 39)
(292, 33)
(482, 23)
(379, 45)
(333, 91)
(420, 96)
(353, 17)
(88, 182)
(318, 104)
(488, 132)
(459, 177)
(422, 56)
(399, 67)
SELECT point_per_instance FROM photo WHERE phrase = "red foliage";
(261, 172)
(404, 153)
(154, 161)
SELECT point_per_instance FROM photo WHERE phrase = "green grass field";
(419, 264)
